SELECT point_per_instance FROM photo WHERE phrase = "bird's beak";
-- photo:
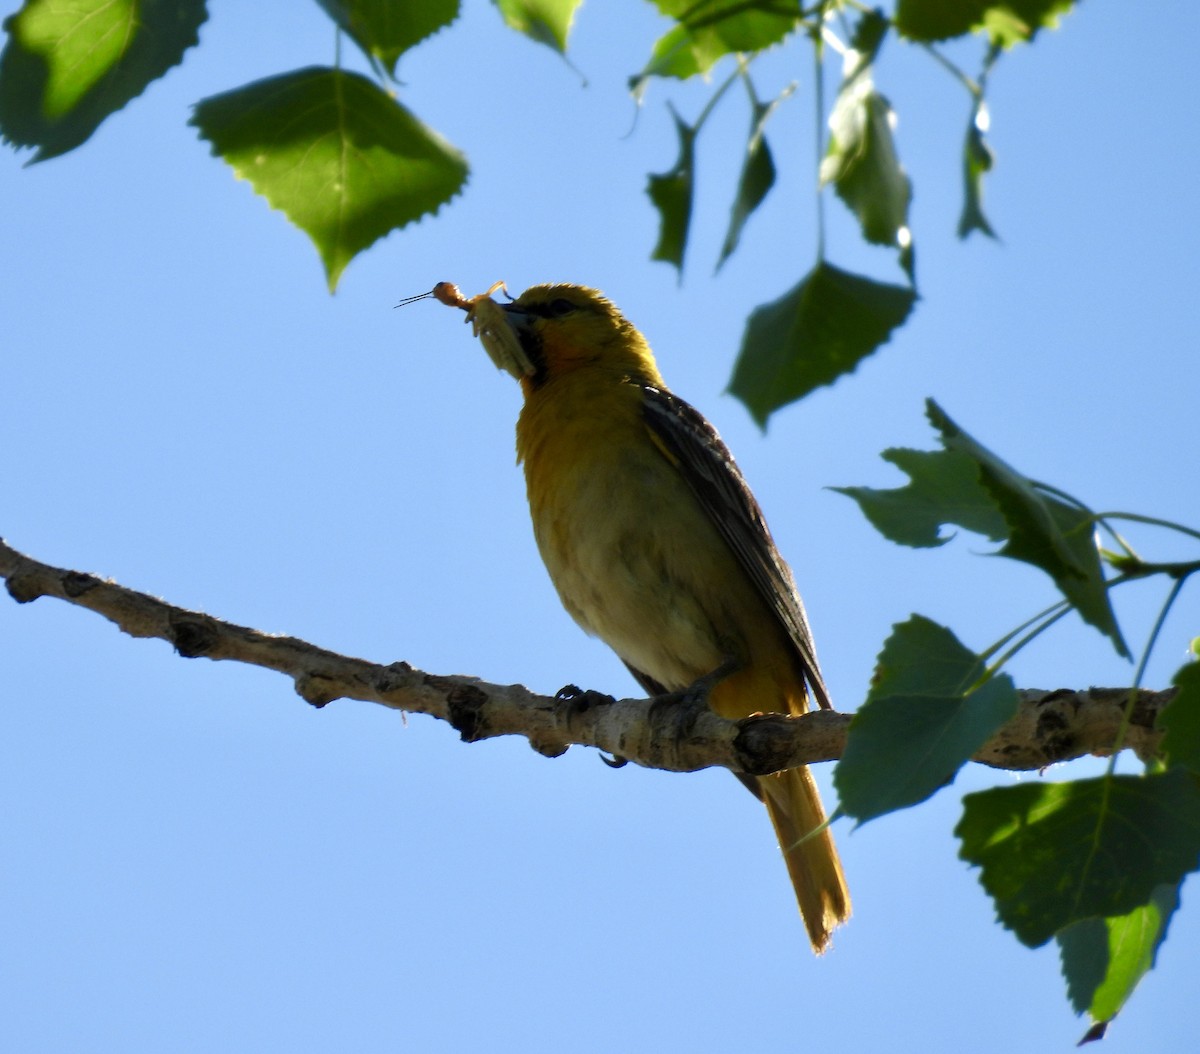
(499, 328)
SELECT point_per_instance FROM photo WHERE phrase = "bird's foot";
(700, 689)
(583, 699)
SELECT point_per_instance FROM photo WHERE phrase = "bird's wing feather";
(710, 471)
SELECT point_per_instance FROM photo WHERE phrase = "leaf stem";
(744, 72)
(970, 83)
(1057, 492)
(1130, 552)
(1140, 672)
(985, 655)
(1135, 567)
(1063, 606)
(716, 96)
(1152, 521)
(819, 96)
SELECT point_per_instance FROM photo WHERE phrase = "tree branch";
(677, 733)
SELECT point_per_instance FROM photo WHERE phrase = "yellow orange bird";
(655, 543)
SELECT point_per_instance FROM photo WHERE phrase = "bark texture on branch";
(677, 733)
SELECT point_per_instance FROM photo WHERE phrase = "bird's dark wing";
(706, 463)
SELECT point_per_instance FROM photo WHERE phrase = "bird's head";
(552, 330)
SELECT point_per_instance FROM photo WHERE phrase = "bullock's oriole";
(656, 545)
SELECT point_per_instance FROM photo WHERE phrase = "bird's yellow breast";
(635, 558)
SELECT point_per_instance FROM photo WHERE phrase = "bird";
(656, 545)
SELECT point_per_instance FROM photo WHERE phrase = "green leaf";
(931, 706)
(340, 157)
(970, 486)
(1007, 22)
(385, 29)
(1181, 719)
(813, 334)
(869, 33)
(671, 193)
(756, 178)
(69, 64)
(944, 488)
(546, 21)
(1053, 854)
(706, 30)
(938, 19)
(1043, 530)
(977, 162)
(1018, 21)
(1104, 959)
(861, 161)
(674, 55)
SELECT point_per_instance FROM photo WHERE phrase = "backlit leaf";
(340, 157)
(546, 21)
(708, 29)
(69, 64)
(1053, 854)
(1104, 959)
(385, 29)
(1007, 22)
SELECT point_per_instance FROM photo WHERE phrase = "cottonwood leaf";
(1181, 719)
(813, 334)
(977, 162)
(1007, 22)
(931, 20)
(861, 161)
(69, 64)
(385, 29)
(671, 192)
(706, 30)
(930, 708)
(1104, 959)
(340, 157)
(1018, 21)
(756, 179)
(1043, 530)
(545, 21)
(943, 488)
(1052, 854)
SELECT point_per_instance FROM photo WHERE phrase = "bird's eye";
(561, 306)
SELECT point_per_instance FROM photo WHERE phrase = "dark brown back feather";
(713, 476)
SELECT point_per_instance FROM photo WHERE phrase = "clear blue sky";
(194, 860)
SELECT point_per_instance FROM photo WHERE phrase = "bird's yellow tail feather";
(795, 809)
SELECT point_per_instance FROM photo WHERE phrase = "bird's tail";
(795, 808)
